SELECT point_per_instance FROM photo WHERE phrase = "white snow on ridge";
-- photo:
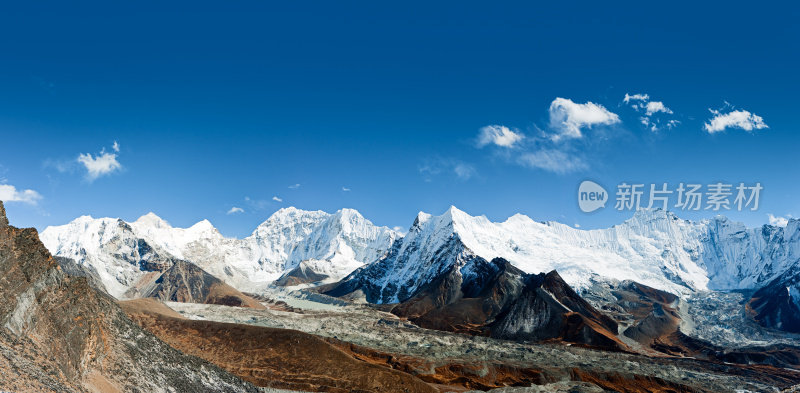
(337, 243)
(649, 248)
(654, 247)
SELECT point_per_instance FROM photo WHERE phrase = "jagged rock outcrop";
(59, 334)
(777, 305)
(303, 274)
(187, 283)
(497, 299)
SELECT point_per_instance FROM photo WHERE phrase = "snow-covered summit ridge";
(344, 240)
(653, 247)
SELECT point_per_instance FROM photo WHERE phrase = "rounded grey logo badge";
(591, 196)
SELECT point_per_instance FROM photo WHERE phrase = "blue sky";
(381, 107)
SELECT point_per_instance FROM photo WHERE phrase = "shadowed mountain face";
(186, 282)
(496, 299)
(57, 333)
(302, 274)
(776, 305)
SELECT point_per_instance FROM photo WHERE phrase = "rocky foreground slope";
(58, 334)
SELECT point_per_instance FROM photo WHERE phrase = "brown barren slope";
(188, 283)
(270, 357)
(59, 334)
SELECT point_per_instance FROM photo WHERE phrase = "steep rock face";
(776, 304)
(496, 299)
(57, 333)
(549, 309)
(302, 274)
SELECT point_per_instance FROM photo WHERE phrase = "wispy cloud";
(733, 119)
(569, 118)
(115, 146)
(294, 186)
(276, 199)
(9, 193)
(552, 160)
(235, 210)
(498, 135)
(102, 164)
(633, 98)
(437, 166)
(258, 204)
(464, 171)
(345, 189)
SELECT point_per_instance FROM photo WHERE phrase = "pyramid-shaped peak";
(151, 219)
(202, 226)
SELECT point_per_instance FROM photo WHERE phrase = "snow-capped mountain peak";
(336, 243)
(653, 247)
(152, 220)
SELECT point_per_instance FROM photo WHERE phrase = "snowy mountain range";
(654, 247)
(122, 254)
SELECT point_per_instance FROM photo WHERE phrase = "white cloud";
(642, 103)
(569, 117)
(655, 107)
(635, 97)
(577, 225)
(276, 199)
(464, 171)
(345, 189)
(778, 221)
(235, 210)
(115, 146)
(294, 186)
(9, 193)
(734, 119)
(550, 160)
(498, 135)
(103, 164)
